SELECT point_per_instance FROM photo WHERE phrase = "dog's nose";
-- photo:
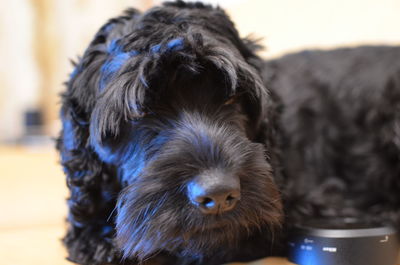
(214, 193)
(217, 201)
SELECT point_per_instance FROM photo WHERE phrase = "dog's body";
(172, 144)
(341, 124)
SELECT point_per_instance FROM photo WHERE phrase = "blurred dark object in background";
(34, 133)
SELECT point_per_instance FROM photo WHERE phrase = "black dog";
(173, 146)
(170, 143)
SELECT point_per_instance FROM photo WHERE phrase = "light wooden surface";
(32, 208)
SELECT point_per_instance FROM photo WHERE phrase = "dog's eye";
(230, 101)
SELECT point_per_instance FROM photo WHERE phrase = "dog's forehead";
(207, 89)
(201, 91)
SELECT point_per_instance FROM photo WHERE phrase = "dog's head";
(175, 103)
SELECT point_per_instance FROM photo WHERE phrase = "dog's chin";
(143, 230)
(197, 244)
(215, 235)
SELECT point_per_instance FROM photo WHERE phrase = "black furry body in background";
(161, 97)
(341, 122)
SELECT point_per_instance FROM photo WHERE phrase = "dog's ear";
(93, 190)
(92, 183)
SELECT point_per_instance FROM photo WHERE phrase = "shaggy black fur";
(162, 97)
(341, 125)
(157, 99)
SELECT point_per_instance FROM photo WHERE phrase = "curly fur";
(156, 99)
(161, 97)
(341, 124)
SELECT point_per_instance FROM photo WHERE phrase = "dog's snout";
(217, 202)
(214, 193)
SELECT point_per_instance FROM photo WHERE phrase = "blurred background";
(39, 37)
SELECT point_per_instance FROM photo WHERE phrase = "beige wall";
(37, 37)
(18, 70)
(289, 25)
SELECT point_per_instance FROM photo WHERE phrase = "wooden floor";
(32, 208)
